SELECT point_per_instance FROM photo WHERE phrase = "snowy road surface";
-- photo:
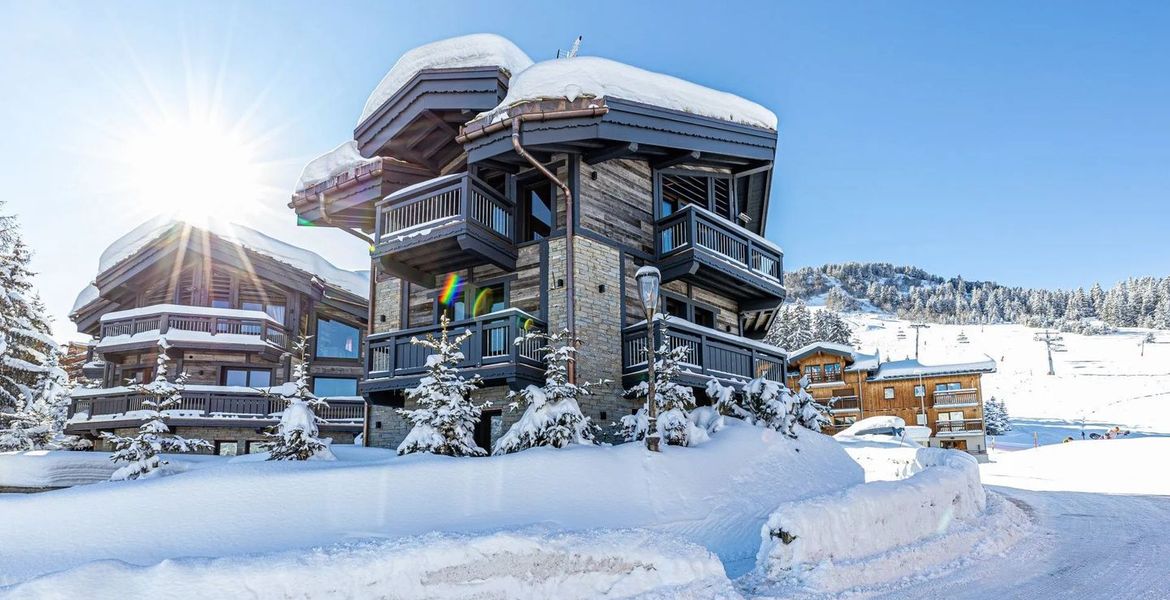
(1085, 545)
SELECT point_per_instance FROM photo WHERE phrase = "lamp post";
(648, 280)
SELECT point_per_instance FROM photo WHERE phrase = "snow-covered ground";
(1103, 380)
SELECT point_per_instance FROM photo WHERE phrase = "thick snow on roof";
(356, 282)
(88, 294)
(334, 162)
(900, 369)
(476, 50)
(591, 76)
(861, 361)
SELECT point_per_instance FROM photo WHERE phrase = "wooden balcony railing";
(711, 353)
(955, 427)
(692, 226)
(207, 404)
(815, 378)
(181, 318)
(968, 397)
(846, 404)
(424, 211)
(491, 343)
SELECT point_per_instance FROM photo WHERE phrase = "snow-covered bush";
(141, 453)
(770, 404)
(295, 437)
(444, 422)
(39, 422)
(674, 401)
(552, 416)
(807, 412)
(995, 416)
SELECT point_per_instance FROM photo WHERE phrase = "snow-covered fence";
(869, 519)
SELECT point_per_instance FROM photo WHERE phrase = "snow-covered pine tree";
(295, 437)
(552, 416)
(806, 411)
(25, 342)
(995, 417)
(141, 453)
(39, 423)
(828, 326)
(674, 400)
(759, 402)
(444, 422)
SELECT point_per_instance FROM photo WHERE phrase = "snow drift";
(61, 468)
(717, 495)
(506, 564)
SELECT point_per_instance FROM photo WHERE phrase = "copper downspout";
(570, 223)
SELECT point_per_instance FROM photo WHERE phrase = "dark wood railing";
(694, 226)
(957, 398)
(822, 377)
(196, 404)
(710, 353)
(968, 425)
(392, 355)
(171, 318)
(401, 218)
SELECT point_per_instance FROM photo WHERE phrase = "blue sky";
(1023, 142)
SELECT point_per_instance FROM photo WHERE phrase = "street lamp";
(648, 279)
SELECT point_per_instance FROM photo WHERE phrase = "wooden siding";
(618, 203)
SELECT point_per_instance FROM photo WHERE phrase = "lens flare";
(451, 289)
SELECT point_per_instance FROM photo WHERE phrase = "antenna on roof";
(572, 49)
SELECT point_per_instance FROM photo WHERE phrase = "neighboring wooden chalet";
(946, 398)
(230, 303)
(457, 177)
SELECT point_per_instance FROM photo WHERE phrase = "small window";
(889, 393)
(488, 299)
(920, 391)
(833, 369)
(256, 447)
(537, 201)
(944, 387)
(227, 448)
(247, 377)
(704, 317)
(333, 387)
(812, 370)
(451, 300)
(336, 339)
(676, 308)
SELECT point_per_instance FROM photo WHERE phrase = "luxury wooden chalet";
(947, 398)
(230, 302)
(460, 178)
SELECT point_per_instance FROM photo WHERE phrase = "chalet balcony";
(823, 378)
(443, 225)
(954, 398)
(202, 406)
(713, 353)
(393, 363)
(959, 427)
(845, 404)
(191, 327)
(696, 245)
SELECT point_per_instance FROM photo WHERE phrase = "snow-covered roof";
(468, 51)
(591, 76)
(334, 162)
(903, 369)
(355, 282)
(861, 361)
(88, 294)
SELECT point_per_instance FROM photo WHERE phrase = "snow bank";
(591, 76)
(335, 162)
(512, 565)
(59, 468)
(1124, 466)
(717, 495)
(874, 518)
(476, 50)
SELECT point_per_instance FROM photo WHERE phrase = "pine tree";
(770, 404)
(25, 343)
(141, 452)
(806, 411)
(295, 437)
(995, 417)
(552, 416)
(674, 401)
(445, 420)
(829, 326)
(39, 423)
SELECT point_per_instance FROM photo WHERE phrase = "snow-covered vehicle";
(883, 425)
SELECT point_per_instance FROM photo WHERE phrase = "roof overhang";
(348, 198)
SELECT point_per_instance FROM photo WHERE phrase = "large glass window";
(537, 203)
(336, 339)
(254, 378)
(943, 387)
(332, 387)
(454, 305)
(488, 299)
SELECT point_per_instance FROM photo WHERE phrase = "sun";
(194, 169)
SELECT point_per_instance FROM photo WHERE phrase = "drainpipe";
(570, 224)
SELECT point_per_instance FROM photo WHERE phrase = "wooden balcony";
(846, 404)
(443, 225)
(191, 327)
(394, 363)
(822, 378)
(696, 245)
(711, 353)
(204, 406)
(968, 397)
(959, 428)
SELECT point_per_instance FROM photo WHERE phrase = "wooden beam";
(609, 153)
(677, 159)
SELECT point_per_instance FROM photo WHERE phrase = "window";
(945, 387)
(710, 191)
(453, 305)
(537, 202)
(889, 393)
(920, 391)
(833, 369)
(332, 387)
(813, 371)
(336, 339)
(489, 299)
(255, 447)
(227, 448)
(704, 317)
(675, 307)
(247, 377)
